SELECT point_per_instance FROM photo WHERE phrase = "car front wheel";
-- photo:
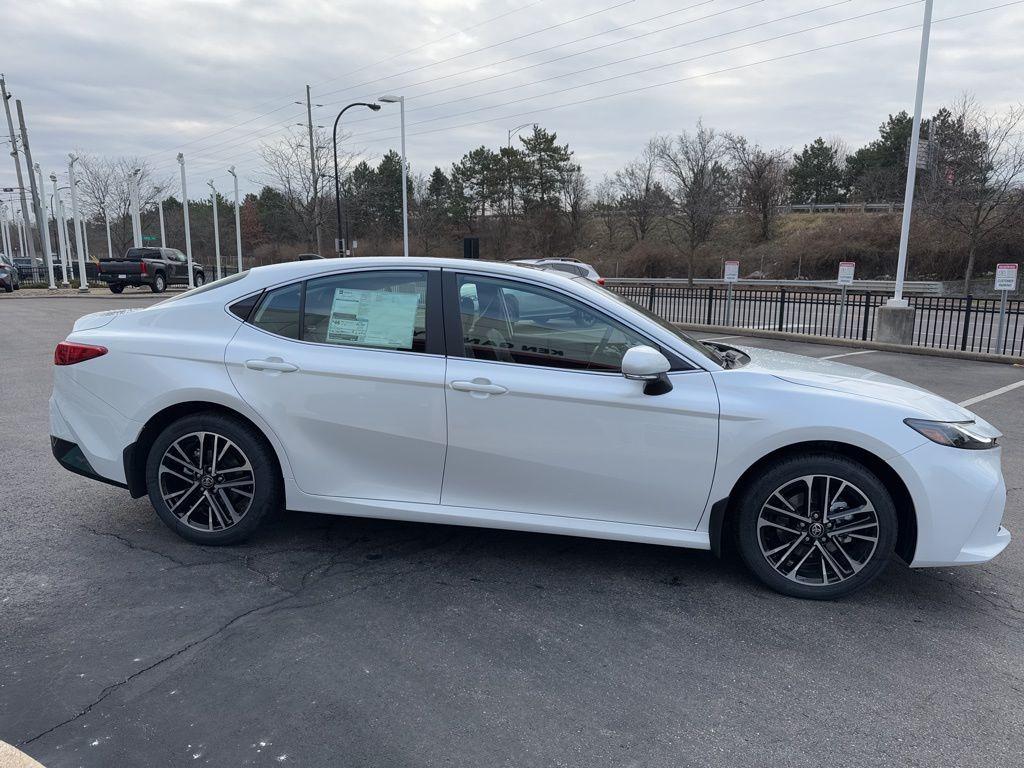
(199, 279)
(817, 526)
(212, 479)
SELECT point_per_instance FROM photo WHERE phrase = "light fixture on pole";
(339, 241)
(188, 231)
(160, 212)
(895, 321)
(136, 217)
(400, 100)
(216, 225)
(238, 220)
(511, 181)
(83, 286)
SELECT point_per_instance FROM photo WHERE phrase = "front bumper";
(959, 497)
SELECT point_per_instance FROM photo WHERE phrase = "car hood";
(839, 377)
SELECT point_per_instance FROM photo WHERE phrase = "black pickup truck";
(155, 267)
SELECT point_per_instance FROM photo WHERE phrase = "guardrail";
(943, 322)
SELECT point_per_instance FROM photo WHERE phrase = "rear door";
(541, 421)
(348, 370)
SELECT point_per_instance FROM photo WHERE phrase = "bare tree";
(289, 172)
(761, 177)
(106, 184)
(606, 209)
(575, 194)
(641, 198)
(695, 167)
(976, 189)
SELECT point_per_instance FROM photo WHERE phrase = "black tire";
(115, 288)
(821, 549)
(159, 284)
(199, 279)
(266, 485)
(9, 287)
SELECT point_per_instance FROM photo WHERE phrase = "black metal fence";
(944, 322)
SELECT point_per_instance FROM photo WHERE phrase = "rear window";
(137, 254)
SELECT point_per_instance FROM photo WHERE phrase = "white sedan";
(485, 394)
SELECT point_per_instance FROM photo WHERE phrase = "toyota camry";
(503, 396)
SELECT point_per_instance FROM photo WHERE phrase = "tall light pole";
(188, 232)
(315, 174)
(216, 225)
(58, 213)
(83, 286)
(17, 164)
(160, 211)
(511, 182)
(136, 218)
(238, 218)
(338, 244)
(106, 223)
(405, 192)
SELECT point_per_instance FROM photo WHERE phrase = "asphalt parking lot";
(347, 642)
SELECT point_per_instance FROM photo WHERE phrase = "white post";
(238, 218)
(405, 184)
(160, 209)
(106, 221)
(21, 239)
(83, 286)
(216, 225)
(69, 259)
(915, 140)
(58, 214)
(136, 215)
(188, 232)
(5, 240)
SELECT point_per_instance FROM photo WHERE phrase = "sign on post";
(1006, 277)
(846, 270)
(732, 271)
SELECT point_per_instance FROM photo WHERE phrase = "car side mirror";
(647, 364)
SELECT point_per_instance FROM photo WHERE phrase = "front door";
(348, 370)
(540, 419)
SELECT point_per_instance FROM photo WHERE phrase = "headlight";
(955, 434)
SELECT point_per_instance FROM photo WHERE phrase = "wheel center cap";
(817, 530)
(206, 481)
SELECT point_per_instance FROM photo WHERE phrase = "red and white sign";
(846, 270)
(732, 271)
(1006, 277)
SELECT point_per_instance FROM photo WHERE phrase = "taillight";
(69, 353)
(600, 281)
(142, 268)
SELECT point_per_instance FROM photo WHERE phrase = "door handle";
(479, 385)
(271, 365)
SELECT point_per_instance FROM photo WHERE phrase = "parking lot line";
(993, 393)
(848, 354)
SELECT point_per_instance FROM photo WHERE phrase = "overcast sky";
(214, 78)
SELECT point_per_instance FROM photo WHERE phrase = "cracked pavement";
(331, 641)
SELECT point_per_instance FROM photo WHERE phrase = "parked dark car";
(9, 279)
(155, 267)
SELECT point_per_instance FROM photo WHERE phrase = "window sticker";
(373, 318)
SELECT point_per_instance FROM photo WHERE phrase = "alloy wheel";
(818, 530)
(206, 481)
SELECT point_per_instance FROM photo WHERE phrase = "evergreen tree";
(816, 176)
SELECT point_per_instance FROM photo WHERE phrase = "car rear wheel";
(212, 479)
(114, 288)
(159, 284)
(818, 526)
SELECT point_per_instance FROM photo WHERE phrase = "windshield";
(204, 288)
(697, 346)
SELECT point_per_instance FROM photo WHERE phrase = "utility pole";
(17, 165)
(40, 219)
(83, 286)
(216, 225)
(312, 168)
(188, 231)
(238, 222)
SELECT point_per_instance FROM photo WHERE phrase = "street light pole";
(58, 211)
(188, 231)
(136, 217)
(511, 183)
(238, 221)
(83, 286)
(216, 225)
(405, 184)
(915, 140)
(160, 212)
(337, 179)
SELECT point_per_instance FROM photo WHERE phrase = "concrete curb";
(955, 354)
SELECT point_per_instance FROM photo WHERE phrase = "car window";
(572, 269)
(278, 313)
(514, 322)
(382, 310)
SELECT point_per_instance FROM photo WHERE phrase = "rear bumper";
(70, 456)
(113, 277)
